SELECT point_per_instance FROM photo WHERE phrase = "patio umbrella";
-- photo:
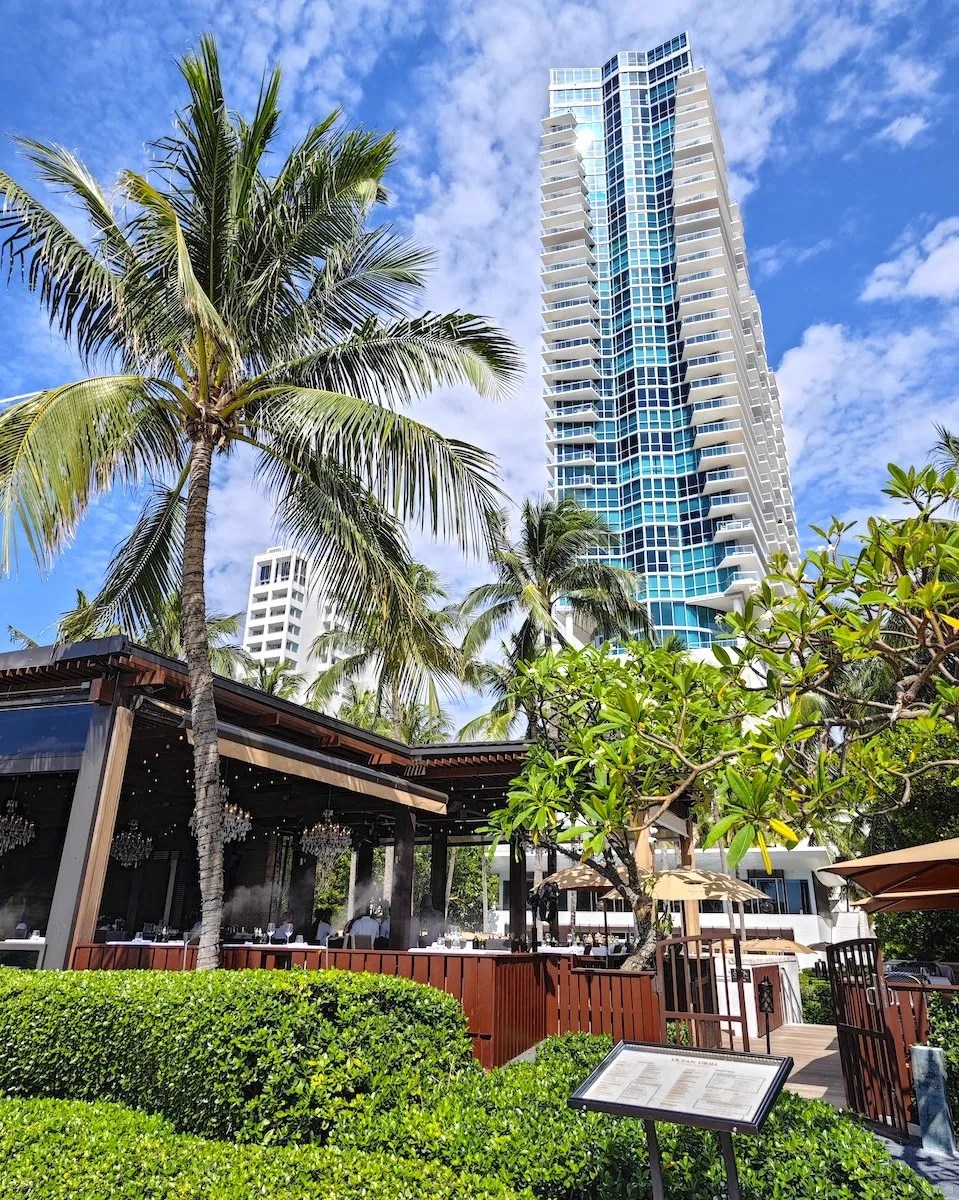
(694, 883)
(776, 946)
(910, 901)
(583, 878)
(933, 867)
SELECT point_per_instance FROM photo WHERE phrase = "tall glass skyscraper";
(662, 412)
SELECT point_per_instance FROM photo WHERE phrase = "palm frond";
(60, 448)
(145, 570)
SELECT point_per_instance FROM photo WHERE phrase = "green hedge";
(816, 996)
(514, 1124)
(259, 1056)
(68, 1150)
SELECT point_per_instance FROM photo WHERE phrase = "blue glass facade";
(646, 476)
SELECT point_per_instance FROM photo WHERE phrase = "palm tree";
(219, 309)
(548, 563)
(162, 633)
(415, 724)
(403, 639)
(274, 678)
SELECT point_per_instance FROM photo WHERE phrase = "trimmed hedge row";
(68, 1150)
(817, 1002)
(514, 1125)
(256, 1056)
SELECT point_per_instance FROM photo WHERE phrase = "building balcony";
(578, 242)
(564, 431)
(569, 268)
(740, 554)
(569, 289)
(725, 454)
(571, 369)
(688, 147)
(570, 327)
(585, 479)
(705, 322)
(559, 180)
(695, 281)
(717, 386)
(559, 135)
(551, 159)
(570, 348)
(728, 504)
(691, 221)
(723, 480)
(733, 530)
(572, 412)
(702, 366)
(563, 209)
(565, 228)
(584, 307)
(702, 301)
(744, 581)
(579, 456)
(712, 432)
(573, 391)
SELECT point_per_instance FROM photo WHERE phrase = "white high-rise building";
(662, 412)
(287, 610)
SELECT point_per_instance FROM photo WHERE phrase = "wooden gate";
(868, 1048)
(701, 981)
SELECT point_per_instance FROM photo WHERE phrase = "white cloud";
(926, 269)
(855, 401)
(768, 261)
(830, 39)
(904, 130)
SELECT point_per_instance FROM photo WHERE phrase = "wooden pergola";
(97, 734)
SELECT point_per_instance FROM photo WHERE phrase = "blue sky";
(840, 125)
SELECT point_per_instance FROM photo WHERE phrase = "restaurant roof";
(99, 666)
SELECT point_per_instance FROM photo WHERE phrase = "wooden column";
(687, 858)
(86, 849)
(439, 855)
(401, 898)
(517, 891)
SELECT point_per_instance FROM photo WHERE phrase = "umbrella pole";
(606, 928)
(742, 920)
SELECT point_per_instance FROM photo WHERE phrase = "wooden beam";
(380, 789)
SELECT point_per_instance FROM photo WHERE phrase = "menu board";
(712, 1089)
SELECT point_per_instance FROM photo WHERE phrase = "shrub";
(68, 1150)
(816, 997)
(515, 1124)
(259, 1056)
(944, 1033)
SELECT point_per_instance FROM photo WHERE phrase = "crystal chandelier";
(236, 823)
(326, 841)
(15, 829)
(131, 846)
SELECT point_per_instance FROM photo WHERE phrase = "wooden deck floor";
(816, 1073)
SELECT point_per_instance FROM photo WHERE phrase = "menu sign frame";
(677, 1072)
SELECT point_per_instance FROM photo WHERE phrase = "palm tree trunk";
(208, 801)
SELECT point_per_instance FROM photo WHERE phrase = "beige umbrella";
(776, 946)
(583, 878)
(695, 883)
